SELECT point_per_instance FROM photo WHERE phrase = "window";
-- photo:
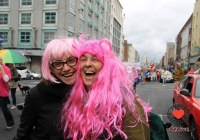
(81, 26)
(197, 89)
(26, 2)
(25, 18)
(4, 34)
(89, 31)
(71, 21)
(48, 35)
(50, 17)
(3, 2)
(25, 37)
(72, 5)
(50, 1)
(4, 18)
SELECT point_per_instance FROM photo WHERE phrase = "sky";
(149, 24)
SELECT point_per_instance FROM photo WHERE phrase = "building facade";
(28, 25)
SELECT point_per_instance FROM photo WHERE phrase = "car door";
(177, 89)
(186, 100)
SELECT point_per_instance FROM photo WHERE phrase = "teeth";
(89, 72)
(69, 74)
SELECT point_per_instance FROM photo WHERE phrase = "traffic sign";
(1, 39)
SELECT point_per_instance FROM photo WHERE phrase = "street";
(158, 96)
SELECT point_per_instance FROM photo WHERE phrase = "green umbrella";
(12, 56)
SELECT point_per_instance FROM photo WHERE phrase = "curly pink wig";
(87, 115)
(55, 49)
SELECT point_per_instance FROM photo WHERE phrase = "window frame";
(50, 4)
(26, 5)
(31, 18)
(6, 5)
(8, 18)
(44, 17)
(25, 45)
(5, 44)
(69, 26)
(43, 35)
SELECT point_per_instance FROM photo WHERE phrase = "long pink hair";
(55, 49)
(88, 114)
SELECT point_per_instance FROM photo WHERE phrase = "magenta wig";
(55, 49)
(88, 114)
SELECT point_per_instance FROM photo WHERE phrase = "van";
(29, 74)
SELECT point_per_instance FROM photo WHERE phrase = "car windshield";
(197, 88)
(32, 71)
(169, 74)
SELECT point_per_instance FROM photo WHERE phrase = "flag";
(124, 16)
(152, 66)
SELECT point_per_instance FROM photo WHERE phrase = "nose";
(88, 63)
(66, 67)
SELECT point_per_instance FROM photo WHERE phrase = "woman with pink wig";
(40, 116)
(102, 104)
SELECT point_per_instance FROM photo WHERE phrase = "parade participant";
(164, 75)
(102, 104)
(5, 76)
(191, 71)
(40, 116)
(13, 84)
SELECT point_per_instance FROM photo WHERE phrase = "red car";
(187, 94)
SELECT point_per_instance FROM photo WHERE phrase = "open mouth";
(89, 73)
(68, 74)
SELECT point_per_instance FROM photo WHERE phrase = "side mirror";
(185, 92)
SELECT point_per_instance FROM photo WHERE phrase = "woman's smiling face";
(90, 67)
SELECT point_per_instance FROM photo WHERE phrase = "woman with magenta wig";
(102, 104)
(41, 113)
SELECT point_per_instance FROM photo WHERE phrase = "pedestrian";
(134, 77)
(164, 77)
(158, 74)
(191, 71)
(13, 84)
(5, 76)
(40, 119)
(103, 104)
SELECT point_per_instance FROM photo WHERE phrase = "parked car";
(29, 74)
(187, 93)
(169, 79)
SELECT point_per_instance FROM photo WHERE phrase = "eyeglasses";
(71, 61)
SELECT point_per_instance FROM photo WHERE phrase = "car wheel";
(193, 130)
(31, 77)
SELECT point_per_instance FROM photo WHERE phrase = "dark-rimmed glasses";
(71, 61)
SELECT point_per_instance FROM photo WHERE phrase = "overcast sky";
(149, 24)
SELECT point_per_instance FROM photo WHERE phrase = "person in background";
(41, 113)
(158, 75)
(13, 84)
(134, 77)
(103, 104)
(5, 76)
(191, 71)
(164, 75)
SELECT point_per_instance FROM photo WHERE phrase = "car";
(29, 74)
(169, 79)
(187, 94)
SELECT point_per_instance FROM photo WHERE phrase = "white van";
(29, 74)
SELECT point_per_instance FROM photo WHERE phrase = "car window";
(197, 89)
(189, 84)
(182, 83)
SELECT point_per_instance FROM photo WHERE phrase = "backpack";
(18, 77)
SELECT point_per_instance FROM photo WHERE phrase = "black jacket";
(41, 113)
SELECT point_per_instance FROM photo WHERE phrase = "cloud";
(150, 24)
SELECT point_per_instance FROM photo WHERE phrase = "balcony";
(97, 14)
(89, 23)
(90, 8)
(102, 6)
(97, 1)
(96, 27)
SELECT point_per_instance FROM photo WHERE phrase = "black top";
(40, 116)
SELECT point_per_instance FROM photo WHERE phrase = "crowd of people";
(85, 94)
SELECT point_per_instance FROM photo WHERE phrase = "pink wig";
(87, 115)
(55, 49)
